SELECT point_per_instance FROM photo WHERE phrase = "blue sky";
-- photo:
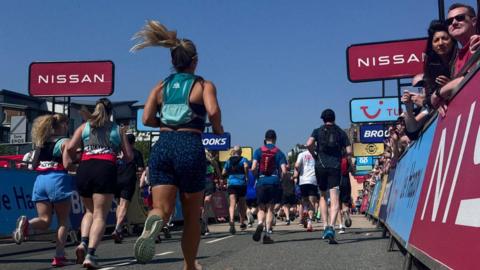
(276, 64)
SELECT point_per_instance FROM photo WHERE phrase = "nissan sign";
(65, 79)
(385, 60)
(216, 142)
(373, 133)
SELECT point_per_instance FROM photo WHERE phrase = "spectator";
(461, 22)
(415, 116)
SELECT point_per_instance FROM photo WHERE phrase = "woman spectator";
(102, 140)
(53, 186)
(177, 161)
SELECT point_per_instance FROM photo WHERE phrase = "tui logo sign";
(366, 110)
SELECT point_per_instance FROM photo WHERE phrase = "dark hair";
(470, 9)
(270, 135)
(432, 58)
(131, 138)
(328, 115)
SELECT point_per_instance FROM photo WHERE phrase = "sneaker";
(258, 233)
(292, 218)
(203, 227)
(91, 262)
(309, 226)
(250, 218)
(243, 226)
(80, 252)
(304, 222)
(288, 222)
(60, 261)
(207, 232)
(250, 225)
(329, 234)
(117, 237)
(348, 220)
(270, 231)
(144, 248)
(342, 231)
(21, 230)
(166, 232)
(267, 240)
(232, 228)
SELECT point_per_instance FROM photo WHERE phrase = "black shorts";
(96, 176)
(345, 190)
(239, 191)
(209, 188)
(251, 203)
(126, 181)
(269, 194)
(178, 158)
(289, 199)
(309, 190)
(327, 178)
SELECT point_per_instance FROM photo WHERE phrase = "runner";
(97, 175)
(236, 168)
(270, 164)
(177, 161)
(288, 195)
(305, 174)
(345, 196)
(126, 182)
(53, 186)
(213, 171)
(251, 199)
(327, 144)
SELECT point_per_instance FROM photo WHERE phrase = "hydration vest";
(176, 110)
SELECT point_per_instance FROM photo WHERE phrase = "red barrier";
(447, 220)
(364, 206)
(219, 202)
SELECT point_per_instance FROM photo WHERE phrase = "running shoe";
(329, 234)
(342, 231)
(207, 232)
(80, 252)
(288, 222)
(91, 262)
(292, 218)
(117, 237)
(144, 248)
(250, 218)
(21, 230)
(250, 225)
(267, 240)
(243, 226)
(166, 232)
(232, 228)
(348, 220)
(309, 226)
(304, 222)
(60, 261)
(203, 227)
(258, 233)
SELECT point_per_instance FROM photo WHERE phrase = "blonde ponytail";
(45, 126)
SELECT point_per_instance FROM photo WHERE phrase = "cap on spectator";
(270, 135)
(328, 115)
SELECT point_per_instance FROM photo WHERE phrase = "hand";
(442, 80)
(406, 97)
(474, 43)
(442, 109)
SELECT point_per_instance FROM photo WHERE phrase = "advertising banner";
(364, 161)
(363, 168)
(407, 184)
(386, 196)
(385, 60)
(367, 110)
(373, 199)
(365, 203)
(141, 127)
(216, 142)
(376, 213)
(372, 149)
(447, 220)
(66, 79)
(373, 133)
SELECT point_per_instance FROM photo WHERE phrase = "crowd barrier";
(16, 199)
(430, 203)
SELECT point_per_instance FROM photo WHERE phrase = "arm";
(149, 117)
(311, 147)
(254, 167)
(70, 149)
(126, 146)
(211, 105)
(245, 169)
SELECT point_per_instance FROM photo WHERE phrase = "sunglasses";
(458, 18)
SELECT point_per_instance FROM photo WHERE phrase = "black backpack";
(236, 167)
(329, 139)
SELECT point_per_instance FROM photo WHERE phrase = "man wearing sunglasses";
(461, 21)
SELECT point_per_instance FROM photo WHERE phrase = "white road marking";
(220, 239)
(164, 253)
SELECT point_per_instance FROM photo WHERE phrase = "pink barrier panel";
(220, 206)
(447, 220)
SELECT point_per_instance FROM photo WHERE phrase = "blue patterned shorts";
(178, 158)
